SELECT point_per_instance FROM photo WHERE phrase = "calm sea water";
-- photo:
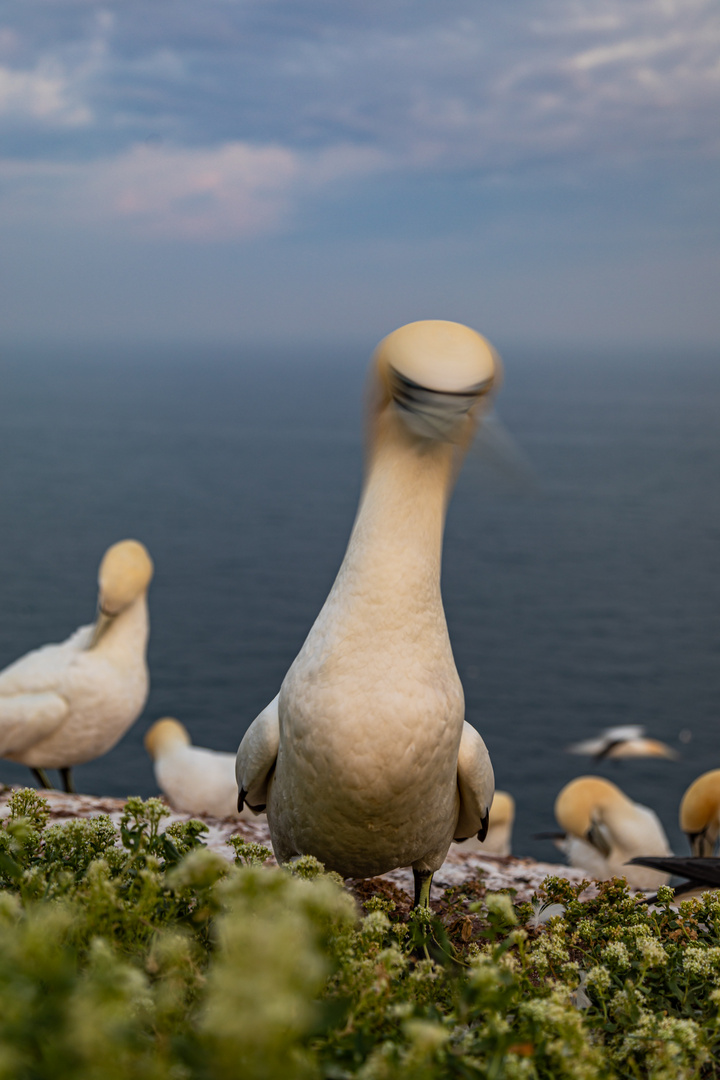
(588, 598)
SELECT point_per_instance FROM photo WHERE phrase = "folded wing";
(256, 758)
(476, 785)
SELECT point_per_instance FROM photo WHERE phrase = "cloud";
(231, 191)
(44, 94)
(218, 120)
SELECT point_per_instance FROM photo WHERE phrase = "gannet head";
(437, 373)
(583, 807)
(163, 734)
(700, 813)
(125, 574)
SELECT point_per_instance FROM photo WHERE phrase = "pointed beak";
(102, 624)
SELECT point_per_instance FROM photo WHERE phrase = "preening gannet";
(499, 832)
(623, 742)
(700, 813)
(364, 760)
(195, 780)
(63, 705)
(604, 829)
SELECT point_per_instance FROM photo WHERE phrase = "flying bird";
(603, 829)
(364, 759)
(63, 705)
(499, 832)
(617, 743)
(195, 780)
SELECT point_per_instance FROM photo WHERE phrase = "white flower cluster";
(616, 955)
(700, 961)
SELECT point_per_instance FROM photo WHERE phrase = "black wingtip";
(242, 796)
(483, 830)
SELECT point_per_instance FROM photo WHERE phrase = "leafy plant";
(137, 952)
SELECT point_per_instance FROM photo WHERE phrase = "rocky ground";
(524, 875)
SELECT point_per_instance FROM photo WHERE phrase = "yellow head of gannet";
(164, 734)
(700, 813)
(437, 374)
(125, 574)
(604, 829)
(364, 760)
(65, 704)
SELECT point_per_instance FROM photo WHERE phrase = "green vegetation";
(137, 953)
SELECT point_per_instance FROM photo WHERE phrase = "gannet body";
(604, 829)
(498, 840)
(66, 704)
(364, 759)
(194, 779)
(617, 743)
(700, 814)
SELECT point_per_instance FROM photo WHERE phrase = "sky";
(313, 171)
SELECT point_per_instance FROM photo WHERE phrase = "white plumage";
(194, 779)
(604, 829)
(364, 759)
(65, 704)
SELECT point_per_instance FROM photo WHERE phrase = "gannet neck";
(396, 542)
(127, 635)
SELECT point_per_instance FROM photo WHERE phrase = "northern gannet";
(603, 829)
(499, 832)
(63, 705)
(364, 759)
(700, 814)
(617, 743)
(195, 780)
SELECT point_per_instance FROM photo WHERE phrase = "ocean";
(581, 572)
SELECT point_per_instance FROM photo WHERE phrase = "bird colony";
(364, 758)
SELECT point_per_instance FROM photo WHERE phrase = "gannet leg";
(423, 881)
(67, 780)
(42, 778)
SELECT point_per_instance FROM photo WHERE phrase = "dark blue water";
(588, 600)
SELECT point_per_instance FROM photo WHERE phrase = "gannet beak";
(596, 837)
(700, 846)
(102, 624)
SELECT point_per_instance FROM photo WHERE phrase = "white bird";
(603, 829)
(499, 832)
(364, 759)
(623, 742)
(194, 779)
(63, 705)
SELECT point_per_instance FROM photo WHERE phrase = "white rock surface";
(498, 872)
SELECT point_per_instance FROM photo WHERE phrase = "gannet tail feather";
(476, 784)
(26, 719)
(699, 871)
(256, 758)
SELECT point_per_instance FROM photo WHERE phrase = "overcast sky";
(289, 170)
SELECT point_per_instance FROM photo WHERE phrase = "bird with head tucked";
(63, 705)
(603, 829)
(194, 779)
(364, 759)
